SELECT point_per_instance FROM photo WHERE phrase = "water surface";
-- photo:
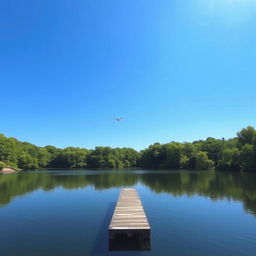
(68, 212)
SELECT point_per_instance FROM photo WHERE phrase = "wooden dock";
(129, 218)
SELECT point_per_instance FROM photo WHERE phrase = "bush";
(203, 162)
(2, 165)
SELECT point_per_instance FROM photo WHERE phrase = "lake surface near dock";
(67, 212)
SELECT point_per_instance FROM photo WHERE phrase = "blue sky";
(175, 70)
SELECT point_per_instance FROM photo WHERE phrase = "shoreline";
(7, 170)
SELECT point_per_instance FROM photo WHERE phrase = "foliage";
(29, 156)
(229, 159)
(212, 146)
(248, 159)
(203, 162)
(2, 165)
(106, 157)
(8, 164)
(234, 154)
(184, 162)
(246, 136)
(27, 161)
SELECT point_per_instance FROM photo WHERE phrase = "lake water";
(67, 213)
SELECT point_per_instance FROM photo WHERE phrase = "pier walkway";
(129, 217)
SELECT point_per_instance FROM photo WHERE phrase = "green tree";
(246, 136)
(173, 155)
(229, 160)
(26, 161)
(248, 158)
(184, 162)
(72, 157)
(153, 156)
(2, 165)
(43, 157)
(203, 162)
(224, 154)
(213, 147)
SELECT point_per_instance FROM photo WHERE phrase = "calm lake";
(67, 213)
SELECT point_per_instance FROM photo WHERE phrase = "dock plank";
(129, 213)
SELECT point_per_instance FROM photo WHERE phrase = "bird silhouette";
(118, 119)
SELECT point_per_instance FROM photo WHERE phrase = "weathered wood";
(129, 216)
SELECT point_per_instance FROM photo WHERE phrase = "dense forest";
(234, 154)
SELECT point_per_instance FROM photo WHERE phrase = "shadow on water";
(134, 243)
(103, 245)
(101, 242)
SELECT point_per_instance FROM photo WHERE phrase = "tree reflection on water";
(211, 184)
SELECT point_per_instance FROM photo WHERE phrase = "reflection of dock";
(129, 219)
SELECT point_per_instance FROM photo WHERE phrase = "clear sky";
(175, 70)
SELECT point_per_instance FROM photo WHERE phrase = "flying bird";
(118, 119)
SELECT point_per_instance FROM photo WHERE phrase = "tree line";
(234, 154)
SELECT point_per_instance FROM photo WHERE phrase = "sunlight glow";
(229, 12)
